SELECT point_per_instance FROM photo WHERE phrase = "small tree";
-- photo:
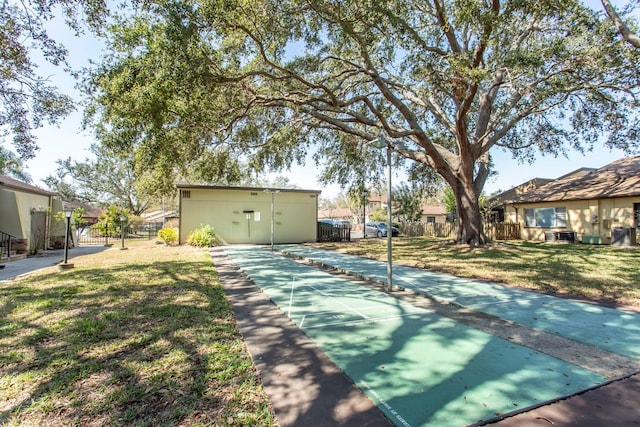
(379, 214)
(449, 202)
(408, 201)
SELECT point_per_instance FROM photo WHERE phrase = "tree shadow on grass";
(125, 345)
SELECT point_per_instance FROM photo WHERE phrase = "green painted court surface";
(420, 368)
(613, 330)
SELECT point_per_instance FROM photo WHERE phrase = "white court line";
(293, 282)
(364, 316)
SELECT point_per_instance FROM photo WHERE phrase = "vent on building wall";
(186, 194)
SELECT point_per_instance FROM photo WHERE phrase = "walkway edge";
(305, 387)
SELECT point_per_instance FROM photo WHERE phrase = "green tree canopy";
(207, 84)
(27, 99)
(107, 179)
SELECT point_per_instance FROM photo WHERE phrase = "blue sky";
(67, 139)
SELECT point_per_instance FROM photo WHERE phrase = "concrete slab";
(423, 369)
(611, 329)
(305, 387)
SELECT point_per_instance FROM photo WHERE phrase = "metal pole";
(389, 233)
(66, 241)
(272, 216)
(364, 214)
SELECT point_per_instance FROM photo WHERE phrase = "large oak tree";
(28, 100)
(209, 84)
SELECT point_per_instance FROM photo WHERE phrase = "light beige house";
(591, 206)
(27, 217)
(433, 214)
(244, 214)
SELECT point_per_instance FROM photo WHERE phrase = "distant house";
(244, 214)
(433, 214)
(27, 216)
(589, 205)
(160, 216)
(346, 214)
(91, 213)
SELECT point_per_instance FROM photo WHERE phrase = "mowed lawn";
(140, 337)
(607, 273)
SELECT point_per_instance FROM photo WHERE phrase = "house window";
(545, 217)
(186, 194)
(636, 215)
(431, 219)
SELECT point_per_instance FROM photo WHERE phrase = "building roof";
(335, 213)
(158, 216)
(14, 184)
(517, 191)
(433, 210)
(228, 187)
(620, 178)
(89, 210)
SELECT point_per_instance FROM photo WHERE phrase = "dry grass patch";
(606, 273)
(139, 337)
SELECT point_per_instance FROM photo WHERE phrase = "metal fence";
(108, 234)
(333, 233)
(5, 244)
(493, 230)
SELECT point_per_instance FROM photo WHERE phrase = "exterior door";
(38, 230)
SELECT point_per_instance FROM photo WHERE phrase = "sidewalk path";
(14, 269)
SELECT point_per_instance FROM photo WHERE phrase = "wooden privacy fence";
(502, 230)
(493, 230)
(428, 229)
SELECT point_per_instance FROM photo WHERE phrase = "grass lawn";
(597, 272)
(137, 337)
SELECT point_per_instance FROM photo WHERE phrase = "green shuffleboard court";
(420, 368)
(607, 328)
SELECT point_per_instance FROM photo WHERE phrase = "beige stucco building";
(595, 204)
(242, 215)
(27, 214)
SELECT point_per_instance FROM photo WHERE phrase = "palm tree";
(11, 165)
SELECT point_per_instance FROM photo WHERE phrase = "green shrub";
(203, 236)
(168, 235)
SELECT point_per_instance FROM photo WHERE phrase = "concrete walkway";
(44, 259)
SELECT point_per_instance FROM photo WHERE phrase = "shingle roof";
(433, 210)
(89, 210)
(7, 181)
(617, 179)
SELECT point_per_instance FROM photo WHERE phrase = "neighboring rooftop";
(433, 210)
(89, 210)
(620, 178)
(14, 184)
